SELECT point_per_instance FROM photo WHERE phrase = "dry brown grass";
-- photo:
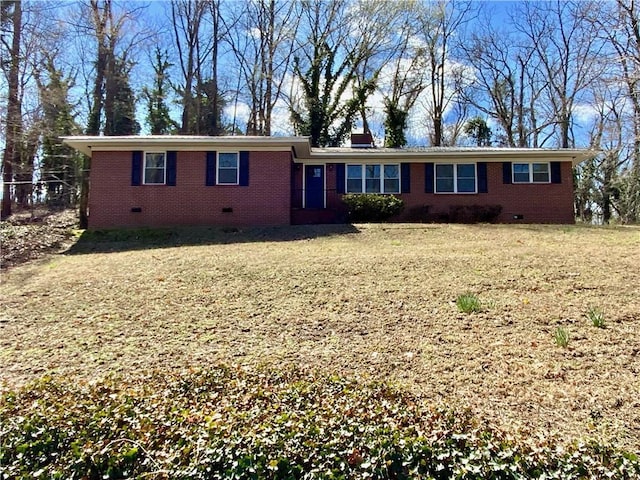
(377, 302)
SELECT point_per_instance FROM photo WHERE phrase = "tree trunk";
(215, 18)
(14, 114)
(95, 115)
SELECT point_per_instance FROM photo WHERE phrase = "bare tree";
(335, 68)
(262, 41)
(406, 78)
(441, 22)
(380, 30)
(503, 71)
(107, 25)
(627, 47)
(325, 67)
(23, 115)
(197, 34)
(619, 176)
(12, 15)
(566, 45)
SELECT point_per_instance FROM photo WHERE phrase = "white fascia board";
(303, 152)
(89, 144)
(454, 155)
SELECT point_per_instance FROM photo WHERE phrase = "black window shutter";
(428, 177)
(483, 186)
(506, 172)
(244, 169)
(211, 169)
(405, 173)
(172, 158)
(136, 168)
(556, 176)
(340, 173)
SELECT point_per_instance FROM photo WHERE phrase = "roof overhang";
(451, 154)
(304, 153)
(89, 144)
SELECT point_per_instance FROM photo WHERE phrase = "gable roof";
(303, 152)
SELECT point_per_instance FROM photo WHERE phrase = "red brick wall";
(537, 203)
(266, 201)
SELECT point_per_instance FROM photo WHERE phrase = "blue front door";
(314, 191)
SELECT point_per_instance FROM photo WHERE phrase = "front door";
(314, 188)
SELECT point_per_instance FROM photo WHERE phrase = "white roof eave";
(303, 152)
(89, 144)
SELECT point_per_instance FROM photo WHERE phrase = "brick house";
(187, 180)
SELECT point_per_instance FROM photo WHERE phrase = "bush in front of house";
(230, 422)
(455, 214)
(372, 207)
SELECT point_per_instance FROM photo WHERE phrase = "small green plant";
(596, 317)
(468, 303)
(57, 429)
(371, 207)
(562, 337)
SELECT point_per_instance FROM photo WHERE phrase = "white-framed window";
(373, 178)
(228, 168)
(531, 173)
(455, 178)
(155, 168)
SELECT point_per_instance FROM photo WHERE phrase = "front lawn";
(372, 302)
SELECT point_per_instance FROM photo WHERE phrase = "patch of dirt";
(32, 234)
(376, 302)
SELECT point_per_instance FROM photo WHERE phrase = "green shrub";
(561, 337)
(468, 303)
(596, 317)
(225, 423)
(455, 213)
(372, 207)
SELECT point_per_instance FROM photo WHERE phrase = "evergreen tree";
(478, 129)
(60, 163)
(326, 120)
(121, 119)
(326, 69)
(158, 118)
(394, 125)
(211, 104)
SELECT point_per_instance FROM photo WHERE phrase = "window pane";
(228, 168)
(467, 170)
(354, 185)
(444, 178)
(154, 160)
(154, 168)
(354, 178)
(444, 185)
(373, 185)
(154, 175)
(521, 177)
(391, 171)
(521, 172)
(228, 160)
(372, 171)
(466, 185)
(466, 180)
(354, 171)
(540, 172)
(227, 175)
(391, 185)
(444, 171)
(391, 179)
